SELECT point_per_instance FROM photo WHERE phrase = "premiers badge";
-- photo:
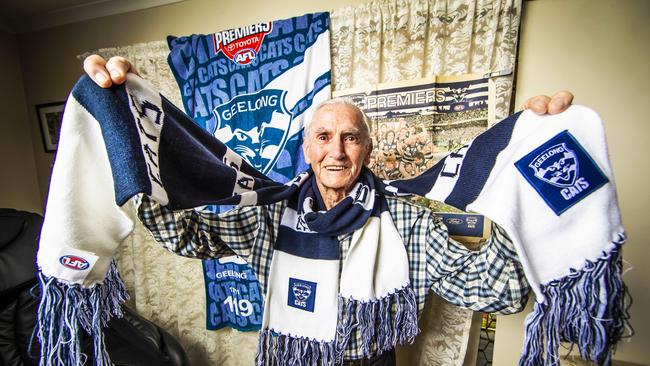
(242, 45)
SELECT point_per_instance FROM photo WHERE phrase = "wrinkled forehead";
(337, 116)
(332, 126)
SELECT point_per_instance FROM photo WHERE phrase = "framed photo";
(49, 119)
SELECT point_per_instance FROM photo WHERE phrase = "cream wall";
(19, 184)
(50, 67)
(600, 51)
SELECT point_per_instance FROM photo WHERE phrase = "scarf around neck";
(372, 294)
(546, 180)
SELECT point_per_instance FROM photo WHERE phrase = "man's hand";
(106, 73)
(543, 104)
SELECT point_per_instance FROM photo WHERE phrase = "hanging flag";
(252, 87)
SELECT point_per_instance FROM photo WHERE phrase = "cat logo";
(301, 291)
(255, 126)
(561, 171)
(458, 94)
(302, 294)
(557, 165)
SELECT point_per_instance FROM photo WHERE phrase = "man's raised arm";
(106, 73)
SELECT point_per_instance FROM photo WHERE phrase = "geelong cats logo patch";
(302, 294)
(561, 171)
(255, 126)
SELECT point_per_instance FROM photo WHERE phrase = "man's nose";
(337, 149)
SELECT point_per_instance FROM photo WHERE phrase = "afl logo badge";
(74, 262)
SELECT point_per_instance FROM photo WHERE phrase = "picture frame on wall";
(50, 116)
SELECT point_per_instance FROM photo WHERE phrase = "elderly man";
(338, 146)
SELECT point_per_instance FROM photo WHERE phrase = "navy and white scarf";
(372, 293)
(545, 180)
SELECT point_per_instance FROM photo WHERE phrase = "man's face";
(337, 147)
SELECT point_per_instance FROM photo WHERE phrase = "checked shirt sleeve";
(488, 280)
(204, 234)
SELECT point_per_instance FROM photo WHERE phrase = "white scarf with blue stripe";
(545, 180)
(372, 293)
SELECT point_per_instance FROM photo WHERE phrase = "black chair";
(131, 340)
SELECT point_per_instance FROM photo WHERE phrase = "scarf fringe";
(65, 309)
(383, 323)
(282, 350)
(588, 307)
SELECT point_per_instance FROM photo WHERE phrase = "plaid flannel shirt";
(490, 279)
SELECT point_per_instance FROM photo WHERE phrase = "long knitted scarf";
(545, 180)
(373, 294)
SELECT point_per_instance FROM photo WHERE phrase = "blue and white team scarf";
(310, 312)
(546, 180)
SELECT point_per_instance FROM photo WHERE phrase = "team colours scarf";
(545, 180)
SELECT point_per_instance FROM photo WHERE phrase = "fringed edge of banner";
(65, 309)
(589, 307)
(384, 322)
(283, 350)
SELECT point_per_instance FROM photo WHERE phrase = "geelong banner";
(252, 87)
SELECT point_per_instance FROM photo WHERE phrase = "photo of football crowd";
(406, 146)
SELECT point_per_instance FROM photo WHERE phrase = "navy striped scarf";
(546, 180)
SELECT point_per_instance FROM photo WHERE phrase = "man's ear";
(366, 160)
(305, 151)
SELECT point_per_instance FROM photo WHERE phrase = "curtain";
(376, 42)
(392, 40)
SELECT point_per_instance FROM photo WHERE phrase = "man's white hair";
(366, 129)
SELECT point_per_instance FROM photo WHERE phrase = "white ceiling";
(21, 16)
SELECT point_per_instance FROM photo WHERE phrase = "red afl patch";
(74, 262)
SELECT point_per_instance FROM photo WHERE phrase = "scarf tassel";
(65, 309)
(283, 350)
(588, 308)
(382, 323)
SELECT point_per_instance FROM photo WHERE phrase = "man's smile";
(335, 168)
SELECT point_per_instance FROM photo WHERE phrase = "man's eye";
(321, 138)
(352, 139)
